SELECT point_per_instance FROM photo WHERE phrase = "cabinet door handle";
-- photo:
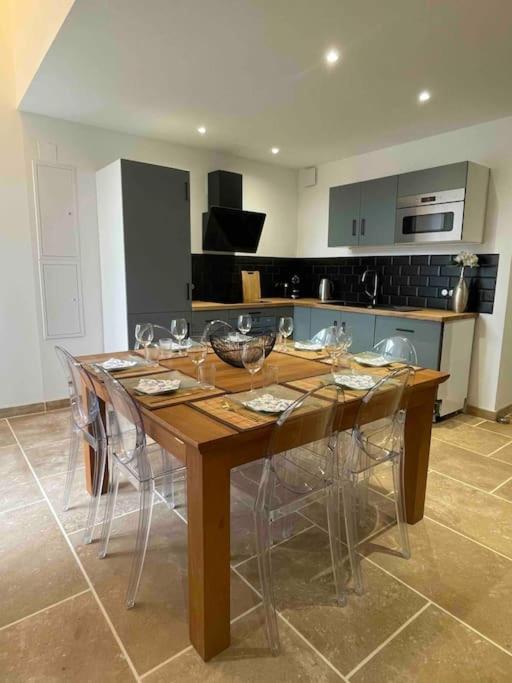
(354, 227)
(188, 291)
(403, 329)
(363, 225)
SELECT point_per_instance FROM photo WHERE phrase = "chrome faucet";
(375, 288)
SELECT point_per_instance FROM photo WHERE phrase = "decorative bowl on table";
(229, 350)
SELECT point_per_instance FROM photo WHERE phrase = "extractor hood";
(226, 226)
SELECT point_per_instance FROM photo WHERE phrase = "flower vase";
(460, 294)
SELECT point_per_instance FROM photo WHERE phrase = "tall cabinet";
(144, 235)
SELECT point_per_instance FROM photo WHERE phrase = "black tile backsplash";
(415, 280)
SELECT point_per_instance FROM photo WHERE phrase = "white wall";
(489, 144)
(20, 368)
(266, 187)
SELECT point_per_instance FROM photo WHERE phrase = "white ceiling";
(252, 72)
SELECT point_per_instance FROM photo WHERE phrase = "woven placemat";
(189, 390)
(306, 355)
(136, 371)
(234, 415)
(310, 383)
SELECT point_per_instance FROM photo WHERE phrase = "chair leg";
(110, 505)
(333, 522)
(263, 529)
(74, 447)
(349, 493)
(400, 508)
(147, 489)
(94, 503)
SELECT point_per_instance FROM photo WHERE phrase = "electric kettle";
(325, 289)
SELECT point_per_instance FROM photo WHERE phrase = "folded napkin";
(117, 364)
(307, 346)
(157, 386)
(266, 403)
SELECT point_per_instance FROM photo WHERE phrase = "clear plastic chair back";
(378, 426)
(397, 349)
(322, 336)
(84, 404)
(215, 327)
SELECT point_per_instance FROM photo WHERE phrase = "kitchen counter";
(432, 314)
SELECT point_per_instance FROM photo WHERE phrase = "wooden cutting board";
(251, 286)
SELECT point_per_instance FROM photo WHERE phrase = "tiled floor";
(444, 615)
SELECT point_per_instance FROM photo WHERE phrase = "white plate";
(266, 403)
(307, 346)
(151, 387)
(238, 337)
(357, 382)
(113, 364)
(373, 360)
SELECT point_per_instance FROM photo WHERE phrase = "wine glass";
(197, 353)
(144, 334)
(179, 329)
(253, 357)
(332, 343)
(285, 328)
(244, 323)
(345, 337)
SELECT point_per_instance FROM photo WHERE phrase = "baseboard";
(488, 414)
(31, 408)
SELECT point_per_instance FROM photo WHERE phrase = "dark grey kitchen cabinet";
(437, 179)
(156, 216)
(378, 211)
(344, 208)
(425, 335)
(144, 235)
(363, 214)
(361, 324)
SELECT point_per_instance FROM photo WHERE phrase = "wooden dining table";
(210, 445)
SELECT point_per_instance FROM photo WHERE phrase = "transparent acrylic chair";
(321, 336)
(159, 332)
(377, 437)
(300, 466)
(397, 349)
(86, 423)
(217, 327)
(145, 465)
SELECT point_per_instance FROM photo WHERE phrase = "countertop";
(432, 314)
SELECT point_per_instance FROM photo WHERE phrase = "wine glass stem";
(146, 352)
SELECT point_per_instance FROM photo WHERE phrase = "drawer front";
(363, 330)
(302, 323)
(425, 335)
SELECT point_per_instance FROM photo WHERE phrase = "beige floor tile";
(6, 437)
(505, 491)
(69, 642)
(472, 468)
(437, 647)
(157, 627)
(37, 567)
(13, 468)
(466, 419)
(43, 428)
(380, 513)
(19, 495)
(460, 434)
(305, 594)
(497, 428)
(75, 517)
(50, 459)
(248, 659)
(504, 454)
(478, 515)
(473, 583)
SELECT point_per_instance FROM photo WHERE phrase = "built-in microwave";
(434, 217)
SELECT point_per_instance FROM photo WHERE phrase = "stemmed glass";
(179, 329)
(197, 353)
(253, 357)
(285, 329)
(332, 343)
(345, 337)
(244, 323)
(144, 334)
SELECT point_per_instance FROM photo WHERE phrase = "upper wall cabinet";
(363, 214)
(442, 204)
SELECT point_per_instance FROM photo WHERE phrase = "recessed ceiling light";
(424, 96)
(275, 150)
(201, 130)
(332, 56)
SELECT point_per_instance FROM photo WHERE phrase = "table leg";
(418, 430)
(89, 459)
(208, 496)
